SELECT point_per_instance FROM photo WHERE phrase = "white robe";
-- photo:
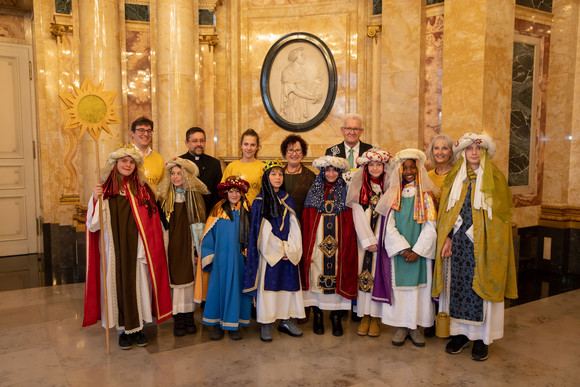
(144, 300)
(410, 307)
(365, 238)
(271, 305)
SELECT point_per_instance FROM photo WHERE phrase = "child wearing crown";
(134, 251)
(183, 215)
(410, 238)
(223, 249)
(274, 251)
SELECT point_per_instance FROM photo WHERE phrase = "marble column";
(207, 95)
(561, 142)
(402, 76)
(177, 62)
(100, 60)
(477, 70)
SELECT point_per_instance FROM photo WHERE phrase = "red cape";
(347, 252)
(152, 236)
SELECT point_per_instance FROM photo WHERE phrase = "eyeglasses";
(356, 130)
(143, 131)
(297, 151)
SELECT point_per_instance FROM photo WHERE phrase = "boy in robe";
(273, 254)
(223, 252)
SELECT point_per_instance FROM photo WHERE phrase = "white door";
(18, 229)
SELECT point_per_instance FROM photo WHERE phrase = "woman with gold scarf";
(474, 267)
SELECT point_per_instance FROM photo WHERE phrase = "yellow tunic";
(153, 168)
(251, 172)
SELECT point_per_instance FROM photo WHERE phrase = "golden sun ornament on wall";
(90, 108)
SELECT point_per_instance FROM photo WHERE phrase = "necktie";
(351, 157)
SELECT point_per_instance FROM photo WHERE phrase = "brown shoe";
(375, 327)
(363, 328)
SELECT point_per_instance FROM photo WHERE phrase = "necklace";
(446, 170)
(295, 172)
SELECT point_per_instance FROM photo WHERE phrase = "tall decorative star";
(90, 108)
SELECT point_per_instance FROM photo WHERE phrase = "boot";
(179, 325)
(318, 324)
(375, 327)
(363, 328)
(336, 323)
(190, 323)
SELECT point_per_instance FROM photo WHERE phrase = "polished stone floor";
(42, 343)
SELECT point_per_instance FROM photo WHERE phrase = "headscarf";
(423, 186)
(191, 186)
(360, 189)
(483, 197)
(315, 197)
(271, 207)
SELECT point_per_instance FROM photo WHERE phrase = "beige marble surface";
(561, 103)
(402, 75)
(176, 57)
(477, 58)
(42, 343)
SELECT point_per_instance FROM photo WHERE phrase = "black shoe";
(216, 332)
(336, 323)
(429, 331)
(139, 339)
(479, 351)
(235, 335)
(354, 317)
(318, 324)
(190, 323)
(179, 325)
(125, 341)
(457, 344)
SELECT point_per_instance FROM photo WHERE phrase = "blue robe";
(226, 305)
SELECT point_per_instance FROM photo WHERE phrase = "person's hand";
(411, 256)
(98, 191)
(373, 248)
(446, 250)
(285, 257)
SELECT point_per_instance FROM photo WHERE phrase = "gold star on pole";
(90, 108)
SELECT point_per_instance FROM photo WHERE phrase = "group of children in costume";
(370, 244)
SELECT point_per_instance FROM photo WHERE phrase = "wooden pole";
(102, 249)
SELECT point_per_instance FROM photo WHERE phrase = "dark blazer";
(210, 173)
(361, 149)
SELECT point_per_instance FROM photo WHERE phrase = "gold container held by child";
(443, 325)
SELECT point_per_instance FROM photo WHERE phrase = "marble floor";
(42, 343)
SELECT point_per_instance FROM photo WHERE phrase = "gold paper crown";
(272, 164)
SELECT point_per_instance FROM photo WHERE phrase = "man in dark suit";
(210, 169)
(352, 147)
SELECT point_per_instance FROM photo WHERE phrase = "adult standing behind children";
(352, 147)
(142, 138)
(249, 168)
(210, 169)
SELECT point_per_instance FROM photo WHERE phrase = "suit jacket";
(342, 151)
(210, 173)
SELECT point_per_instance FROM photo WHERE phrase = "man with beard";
(210, 171)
